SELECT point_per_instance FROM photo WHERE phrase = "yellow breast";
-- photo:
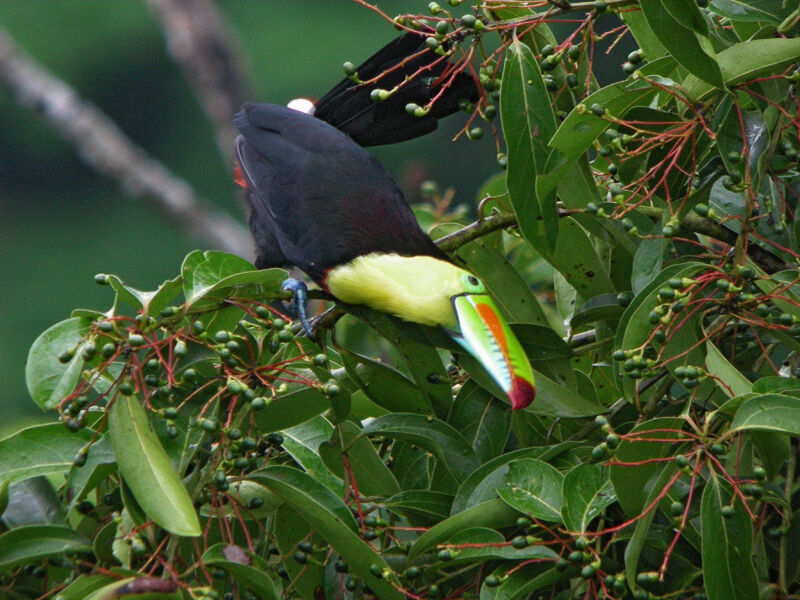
(416, 288)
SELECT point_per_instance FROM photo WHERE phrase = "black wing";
(348, 106)
(318, 199)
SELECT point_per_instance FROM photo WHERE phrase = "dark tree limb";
(199, 42)
(105, 148)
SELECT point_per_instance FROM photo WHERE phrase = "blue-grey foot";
(298, 305)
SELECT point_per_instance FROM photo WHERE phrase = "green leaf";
(150, 303)
(587, 491)
(483, 544)
(631, 482)
(521, 583)
(140, 588)
(39, 450)
(481, 485)
(533, 487)
(28, 544)
(483, 420)
(528, 124)
(770, 412)
(147, 469)
(420, 504)
(747, 61)
(663, 472)
(747, 11)
(33, 501)
(385, 386)
(727, 377)
(49, 381)
(251, 571)
(690, 47)
(493, 514)
(599, 308)
(331, 518)
(448, 445)
(371, 474)
(418, 349)
(727, 544)
(211, 271)
(294, 407)
(83, 586)
(303, 441)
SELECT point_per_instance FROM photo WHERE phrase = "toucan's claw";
(298, 305)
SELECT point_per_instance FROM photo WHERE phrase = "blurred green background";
(61, 222)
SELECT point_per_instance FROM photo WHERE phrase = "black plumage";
(319, 199)
(349, 107)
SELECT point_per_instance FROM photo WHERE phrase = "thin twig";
(200, 44)
(104, 147)
(475, 230)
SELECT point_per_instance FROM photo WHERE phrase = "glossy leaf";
(690, 47)
(384, 385)
(492, 514)
(251, 571)
(49, 380)
(587, 492)
(728, 571)
(147, 469)
(207, 272)
(331, 518)
(294, 407)
(483, 420)
(445, 443)
(528, 125)
(747, 61)
(632, 482)
(39, 450)
(770, 412)
(27, 544)
(370, 472)
(533, 487)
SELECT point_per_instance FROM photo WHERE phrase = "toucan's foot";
(298, 305)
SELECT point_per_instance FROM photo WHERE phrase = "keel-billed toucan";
(419, 77)
(320, 202)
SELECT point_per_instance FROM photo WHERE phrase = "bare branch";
(105, 148)
(198, 41)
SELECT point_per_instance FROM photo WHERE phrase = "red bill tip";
(522, 393)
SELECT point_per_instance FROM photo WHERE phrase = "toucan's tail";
(350, 108)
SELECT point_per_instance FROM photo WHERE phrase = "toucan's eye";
(472, 284)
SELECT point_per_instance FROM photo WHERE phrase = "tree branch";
(104, 147)
(475, 230)
(199, 43)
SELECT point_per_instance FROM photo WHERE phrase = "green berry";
(136, 340)
(258, 403)
(349, 70)
(519, 542)
(492, 581)
(341, 567)
(598, 109)
(301, 557)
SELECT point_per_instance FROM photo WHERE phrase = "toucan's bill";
(487, 336)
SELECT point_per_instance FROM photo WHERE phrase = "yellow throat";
(414, 288)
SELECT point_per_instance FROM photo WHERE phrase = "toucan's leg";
(298, 305)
